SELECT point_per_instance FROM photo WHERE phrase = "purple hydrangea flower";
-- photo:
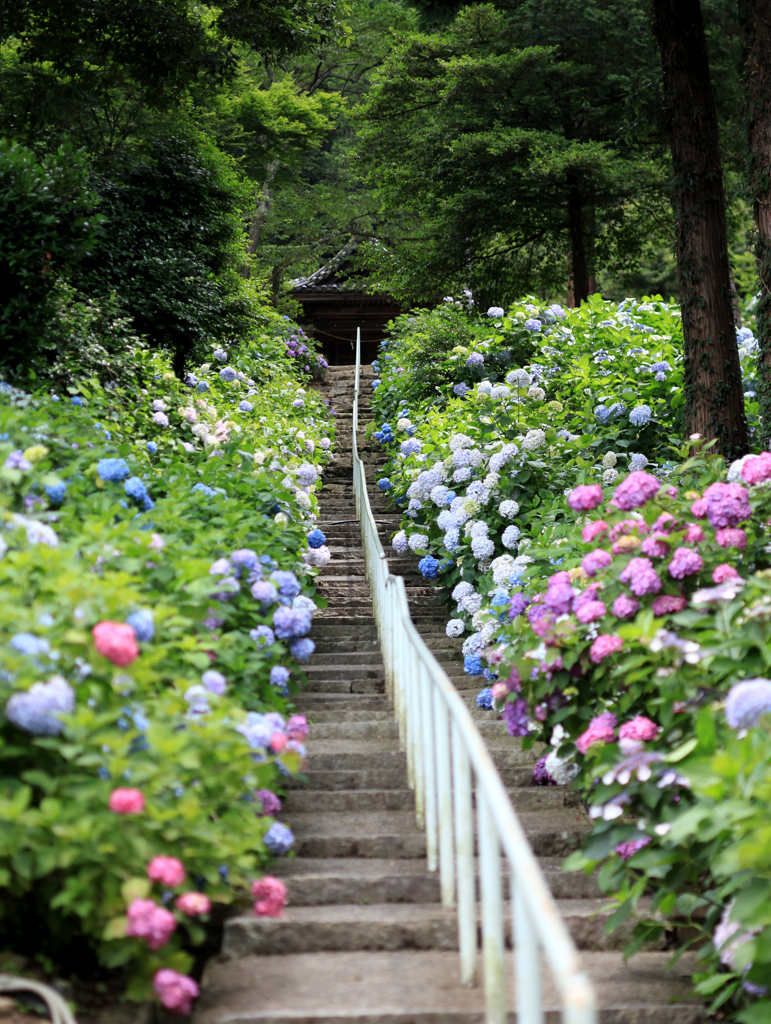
(485, 699)
(290, 623)
(271, 804)
(264, 592)
(228, 374)
(641, 577)
(515, 715)
(518, 605)
(747, 702)
(685, 563)
(541, 776)
(302, 649)
(278, 839)
(727, 504)
(559, 599)
(287, 583)
(279, 677)
(214, 682)
(28, 643)
(244, 560)
(410, 447)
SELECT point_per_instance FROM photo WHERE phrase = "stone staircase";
(365, 936)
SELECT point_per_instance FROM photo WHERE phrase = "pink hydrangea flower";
(271, 804)
(699, 508)
(148, 921)
(723, 573)
(638, 728)
(625, 606)
(628, 849)
(175, 991)
(156, 542)
(592, 611)
(297, 727)
(731, 537)
(694, 534)
(593, 530)
(636, 490)
(604, 645)
(270, 894)
(277, 742)
(757, 469)
(665, 523)
(601, 729)
(193, 903)
(668, 604)
(499, 691)
(560, 578)
(595, 561)
(656, 546)
(727, 504)
(685, 563)
(161, 419)
(585, 497)
(116, 641)
(126, 801)
(641, 577)
(628, 526)
(166, 870)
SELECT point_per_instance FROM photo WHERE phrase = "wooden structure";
(335, 304)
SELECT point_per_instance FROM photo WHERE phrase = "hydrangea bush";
(157, 558)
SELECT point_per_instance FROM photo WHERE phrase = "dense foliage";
(157, 585)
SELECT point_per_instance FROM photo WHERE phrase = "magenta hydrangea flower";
(515, 715)
(561, 577)
(592, 611)
(638, 728)
(757, 469)
(628, 526)
(685, 563)
(668, 604)
(628, 849)
(699, 508)
(595, 561)
(731, 537)
(167, 870)
(694, 534)
(271, 804)
(727, 504)
(603, 646)
(656, 546)
(724, 572)
(625, 606)
(176, 991)
(146, 920)
(593, 530)
(636, 490)
(585, 497)
(641, 577)
(559, 599)
(601, 728)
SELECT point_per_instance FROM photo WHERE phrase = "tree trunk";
(713, 382)
(755, 21)
(578, 282)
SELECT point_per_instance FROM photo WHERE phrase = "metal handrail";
(443, 746)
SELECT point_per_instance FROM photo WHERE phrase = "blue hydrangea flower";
(291, 623)
(113, 470)
(617, 409)
(499, 600)
(747, 702)
(375, 385)
(136, 489)
(204, 489)
(220, 355)
(279, 677)
(602, 413)
(429, 567)
(660, 376)
(142, 624)
(152, 447)
(640, 416)
(202, 386)
(56, 493)
(461, 389)
(661, 367)
(278, 839)
(302, 649)
(410, 447)
(287, 583)
(316, 539)
(637, 461)
(77, 400)
(228, 374)
(533, 325)
(28, 643)
(472, 665)
(245, 560)
(384, 484)
(485, 699)
(446, 563)
(475, 359)
(245, 406)
(263, 636)
(37, 710)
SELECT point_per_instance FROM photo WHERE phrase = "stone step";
(335, 670)
(339, 685)
(423, 987)
(378, 729)
(525, 798)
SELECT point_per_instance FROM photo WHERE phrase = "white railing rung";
(444, 749)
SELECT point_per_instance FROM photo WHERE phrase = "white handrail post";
(492, 913)
(528, 973)
(416, 738)
(444, 797)
(429, 768)
(464, 844)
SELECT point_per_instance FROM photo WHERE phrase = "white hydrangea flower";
(610, 476)
(455, 628)
(487, 631)
(518, 378)
(444, 520)
(537, 393)
(484, 388)
(439, 495)
(491, 481)
(462, 457)
(399, 542)
(533, 439)
(325, 443)
(734, 475)
(280, 518)
(500, 391)
(418, 542)
(460, 476)
(479, 528)
(458, 441)
(562, 769)
(609, 460)
(481, 546)
(472, 644)
(471, 603)
(503, 568)
(403, 424)
(318, 557)
(471, 506)
(303, 501)
(451, 538)
(510, 536)
(462, 590)
(476, 458)
(509, 508)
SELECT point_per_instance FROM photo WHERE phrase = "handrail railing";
(443, 748)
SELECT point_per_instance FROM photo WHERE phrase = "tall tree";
(713, 380)
(755, 20)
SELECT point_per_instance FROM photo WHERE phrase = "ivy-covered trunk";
(713, 382)
(755, 20)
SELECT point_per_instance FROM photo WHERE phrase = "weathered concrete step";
(423, 987)
(332, 701)
(332, 670)
(324, 716)
(336, 625)
(384, 926)
(356, 778)
(343, 685)
(377, 729)
(309, 801)
(343, 644)
(341, 654)
(355, 880)
(387, 834)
